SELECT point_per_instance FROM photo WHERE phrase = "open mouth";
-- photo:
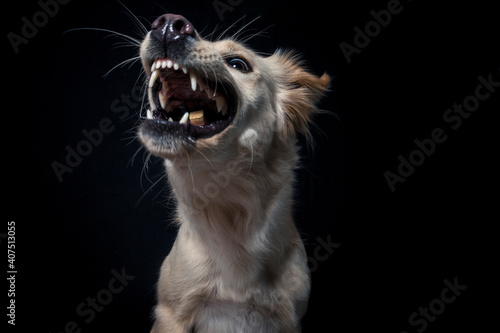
(187, 101)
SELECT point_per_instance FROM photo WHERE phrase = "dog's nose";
(171, 27)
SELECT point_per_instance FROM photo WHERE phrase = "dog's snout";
(171, 27)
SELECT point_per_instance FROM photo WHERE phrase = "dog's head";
(205, 94)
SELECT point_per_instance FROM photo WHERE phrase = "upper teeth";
(166, 63)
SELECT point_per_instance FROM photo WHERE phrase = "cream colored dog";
(224, 119)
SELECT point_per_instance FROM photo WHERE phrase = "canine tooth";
(170, 119)
(152, 79)
(163, 64)
(184, 118)
(169, 63)
(163, 100)
(184, 69)
(221, 102)
(149, 114)
(192, 76)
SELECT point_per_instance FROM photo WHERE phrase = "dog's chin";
(189, 109)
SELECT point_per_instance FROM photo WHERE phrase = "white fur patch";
(249, 138)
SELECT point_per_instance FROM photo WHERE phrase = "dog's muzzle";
(188, 101)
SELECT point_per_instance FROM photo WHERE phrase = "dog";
(225, 119)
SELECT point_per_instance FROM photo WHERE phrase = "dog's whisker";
(129, 61)
(162, 8)
(132, 158)
(146, 157)
(251, 162)
(129, 140)
(135, 19)
(262, 33)
(144, 95)
(210, 35)
(149, 189)
(241, 30)
(206, 76)
(123, 44)
(215, 79)
(206, 158)
(228, 28)
(132, 40)
(190, 168)
(160, 191)
(127, 41)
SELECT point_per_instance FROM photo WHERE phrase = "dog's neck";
(238, 201)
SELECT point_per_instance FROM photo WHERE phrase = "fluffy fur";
(238, 263)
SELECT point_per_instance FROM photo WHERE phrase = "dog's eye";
(238, 64)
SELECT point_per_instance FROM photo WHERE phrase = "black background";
(396, 248)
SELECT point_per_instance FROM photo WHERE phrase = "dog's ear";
(298, 93)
